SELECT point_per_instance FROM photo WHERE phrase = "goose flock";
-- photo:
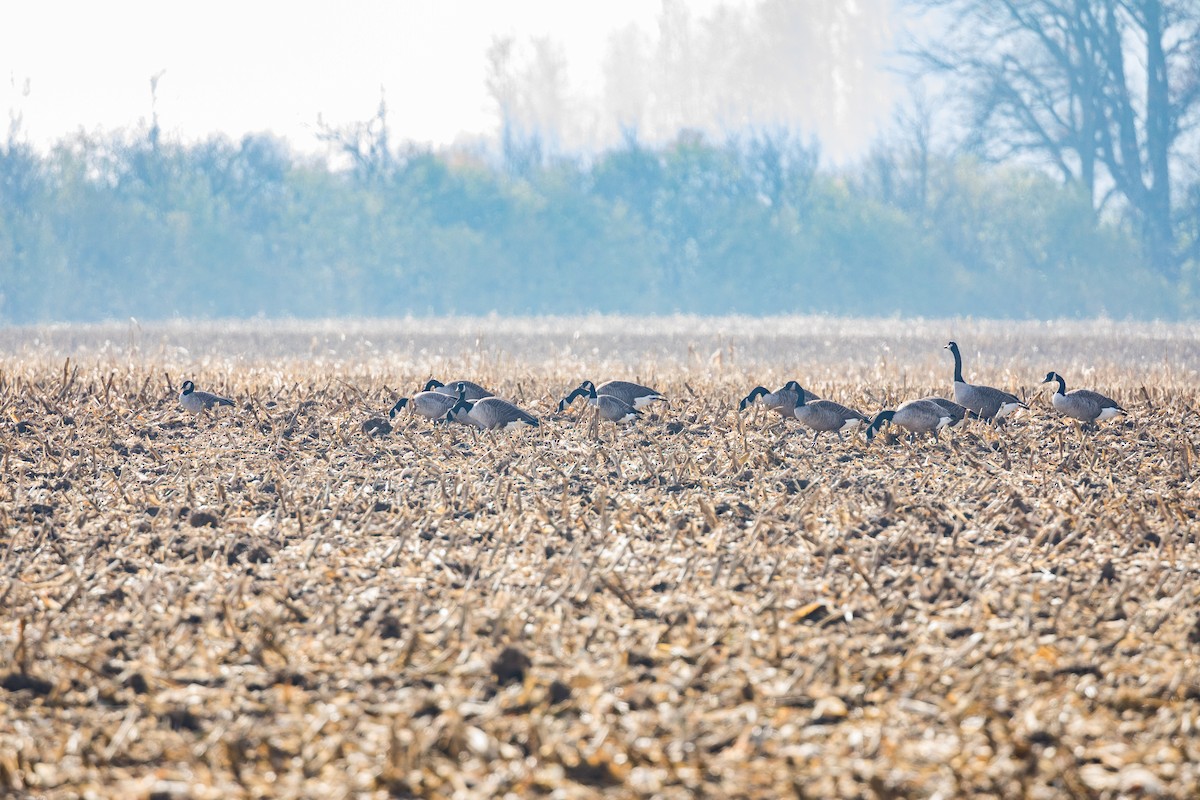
(469, 403)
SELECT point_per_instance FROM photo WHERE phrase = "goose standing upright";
(822, 416)
(915, 416)
(633, 394)
(490, 413)
(782, 401)
(988, 403)
(198, 402)
(1083, 404)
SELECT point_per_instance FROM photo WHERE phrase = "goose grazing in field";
(781, 401)
(1083, 404)
(633, 394)
(474, 390)
(825, 415)
(988, 403)
(611, 408)
(958, 414)
(489, 413)
(428, 404)
(198, 402)
(915, 416)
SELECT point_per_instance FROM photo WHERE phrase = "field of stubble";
(274, 603)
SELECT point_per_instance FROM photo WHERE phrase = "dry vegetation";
(276, 603)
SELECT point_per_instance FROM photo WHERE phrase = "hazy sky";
(248, 66)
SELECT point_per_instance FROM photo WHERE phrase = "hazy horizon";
(816, 69)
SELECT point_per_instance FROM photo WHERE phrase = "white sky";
(246, 66)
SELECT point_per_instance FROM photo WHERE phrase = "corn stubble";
(278, 601)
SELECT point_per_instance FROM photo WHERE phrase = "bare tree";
(529, 86)
(1103, 91)
(366, 144)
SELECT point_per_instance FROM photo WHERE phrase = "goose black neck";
(461, 405)
(566, 401)
(877, 423)
(801, 396)
(755, 393)
(433, 384)
(1062, 384)
(958, 378)
(399, 405)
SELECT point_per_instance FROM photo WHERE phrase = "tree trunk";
(1160, 238)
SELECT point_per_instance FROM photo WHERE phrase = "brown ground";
(275, 603)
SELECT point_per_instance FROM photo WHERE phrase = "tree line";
(1055, 175)
(119, 225)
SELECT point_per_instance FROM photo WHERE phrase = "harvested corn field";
(298, 596)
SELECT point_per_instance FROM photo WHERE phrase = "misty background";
(1036, 159)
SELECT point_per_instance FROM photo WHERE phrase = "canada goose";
(612, 408)
(633, 394)
(199, 402)
(1083, 404)
(781, 401)
(431, 405)
(989, 403)
(915, 416)
(826, 415)
(474, 390)
(490, 413)
(958, 414)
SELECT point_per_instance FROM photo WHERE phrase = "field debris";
(278, 601)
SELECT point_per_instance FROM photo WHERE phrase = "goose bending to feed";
(611, 408)
(633, 394)
(198, 402)
(428, 404)
(958, 414)
(821, 416)
(988, 403)
(915, 416)
(490, 413)
(1083, 404)
(781, 401)
(474, 390)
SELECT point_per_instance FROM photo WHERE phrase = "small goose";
(199, 402)
(431, 405)
(632, 394)
(474, 390)
(781, 401)
(825, 415)
(958, 414)
(988, 403)
(915, 416)
(489, 413)
(1083, 404)
(611, 408)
